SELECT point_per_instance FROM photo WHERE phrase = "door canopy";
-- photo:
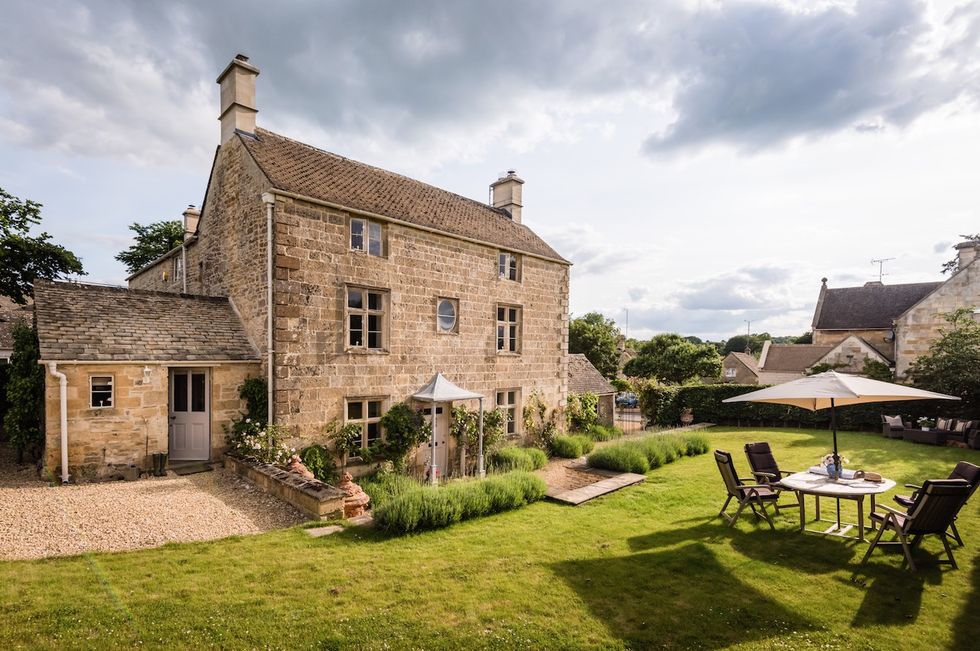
(439, 389)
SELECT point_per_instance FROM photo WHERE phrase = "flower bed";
(652, 452)
(316, 499)
(402, 506)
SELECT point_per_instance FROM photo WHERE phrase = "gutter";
(269, 200)
(63, 394)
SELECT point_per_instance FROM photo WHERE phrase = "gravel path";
(38, 520)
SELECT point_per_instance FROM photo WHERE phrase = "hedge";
(662, 406)
(434, 507)
(572, 446)
(515, 458)
(648, 453)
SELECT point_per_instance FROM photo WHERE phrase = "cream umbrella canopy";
(832, 390)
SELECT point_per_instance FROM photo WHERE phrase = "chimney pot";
(507, 193)
(191, 217)
(237, 107)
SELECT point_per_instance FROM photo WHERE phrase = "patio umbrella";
(832, 389)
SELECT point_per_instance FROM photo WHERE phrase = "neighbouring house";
(346, 285)
(780, 363)
(899, 322)
(583, 377)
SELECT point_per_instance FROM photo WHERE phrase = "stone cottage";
(780, 363)
(899, 322)
(350, 286)
(583, 377)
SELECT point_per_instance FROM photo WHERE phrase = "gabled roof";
(310, 172)
(78, 322)
(871, 307)
(794, 357)
(747, 360)
(583, 377)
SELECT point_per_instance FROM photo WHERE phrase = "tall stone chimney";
(506, 194)
(966, 252)
(191, 216)
(237, 97)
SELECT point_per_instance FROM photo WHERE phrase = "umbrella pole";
(833, 424)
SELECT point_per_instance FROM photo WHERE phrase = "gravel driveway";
(38, 520)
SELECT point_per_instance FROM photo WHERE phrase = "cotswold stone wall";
(315, 372)
(918, 328)
(742, 374)
(877, 338)
(137, 423)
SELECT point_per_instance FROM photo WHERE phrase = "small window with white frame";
(447, 315)
(509, 402)
(101, 391)
(508, 329)
(366, 321)
(730, 372)
(367, 236)
(509, 266)
(367, 413)
(178, 267)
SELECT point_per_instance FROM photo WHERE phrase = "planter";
(314, 498)
(687, 417)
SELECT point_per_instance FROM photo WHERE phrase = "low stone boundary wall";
(314, 498)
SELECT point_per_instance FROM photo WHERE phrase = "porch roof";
(439, 389)
(80, 322)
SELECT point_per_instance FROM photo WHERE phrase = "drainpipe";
(63, 393)
(269, 200)
(183, 265)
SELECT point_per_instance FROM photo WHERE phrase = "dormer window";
(365, 236)
(509, 266)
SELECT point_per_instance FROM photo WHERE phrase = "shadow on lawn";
(677, 598)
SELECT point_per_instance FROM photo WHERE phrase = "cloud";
(637, 293)
(591, 251)
(429, 80)
(941, 247)
(748, 288)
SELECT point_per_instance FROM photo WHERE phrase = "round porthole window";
(447, 315)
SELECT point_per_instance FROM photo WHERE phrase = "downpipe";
(63, 396)
(269, 200)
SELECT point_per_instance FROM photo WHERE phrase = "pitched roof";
(794, 357)
(78, 322)
(747, 359)
(583, 377)
(873, 306)
(304, 170)
(10, 314)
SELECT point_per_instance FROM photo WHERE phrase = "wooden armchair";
(933, 511)
(746, 494)
(766, 471)
(963, 470)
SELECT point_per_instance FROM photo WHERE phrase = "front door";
(441, 440)
(190, 414)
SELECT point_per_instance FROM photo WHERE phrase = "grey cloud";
(749, 288)
(136, 80)
(637, 293)
(941, 247)
(590, 251)
(714, 324)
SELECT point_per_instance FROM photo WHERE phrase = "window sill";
(507, 353)
(365, 253)
(99, 409)
(366, 351)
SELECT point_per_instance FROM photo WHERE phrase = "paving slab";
(602, 487)
(319, 532)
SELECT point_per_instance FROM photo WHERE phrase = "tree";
(152, 241)
(671, 358)
(25, 390)
(952, 365)
(952, 266)
(805, 338)
(875, 370)
(25, 258)
(739, 343)
(596, 337)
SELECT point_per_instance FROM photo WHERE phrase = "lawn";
(647, 567)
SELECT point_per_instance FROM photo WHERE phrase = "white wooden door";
(441, 439)
(190, 414)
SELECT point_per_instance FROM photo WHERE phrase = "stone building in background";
(351, 284)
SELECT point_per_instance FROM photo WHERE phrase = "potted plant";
(925, 423)
(687, 416)
(832, 470)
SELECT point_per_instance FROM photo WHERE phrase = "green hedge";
(572, 446)
(642, 455)
(662, 406)
(434, 507)
(515, 458)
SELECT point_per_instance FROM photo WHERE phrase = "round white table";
(809, 483)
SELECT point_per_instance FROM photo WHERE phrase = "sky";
(703, 164)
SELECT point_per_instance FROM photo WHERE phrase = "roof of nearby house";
(304, 170)
(794, 357)
(873, 306)
(583, 377)
(78, 322)
(748, 360)
(10, 314)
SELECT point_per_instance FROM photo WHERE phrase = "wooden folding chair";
(750, 495)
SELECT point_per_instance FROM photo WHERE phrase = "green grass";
(645, 567)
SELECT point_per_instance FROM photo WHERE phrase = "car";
(627, 400)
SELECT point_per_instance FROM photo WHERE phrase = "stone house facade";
(378, 281)
(897, 322)
(780, 363)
